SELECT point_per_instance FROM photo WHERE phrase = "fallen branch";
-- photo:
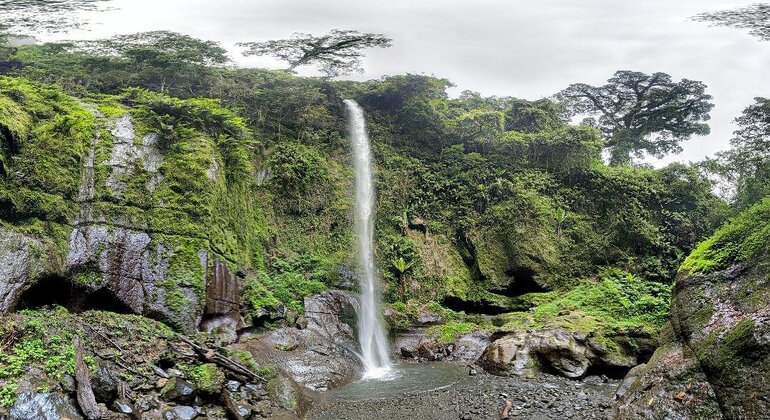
(85, 392)
(230, 406)
(209, 355)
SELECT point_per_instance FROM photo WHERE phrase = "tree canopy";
(755, 18)
(28, 16)
(338, 52)
(641, 113)
(746, 166)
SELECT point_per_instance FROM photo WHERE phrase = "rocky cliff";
(717, 353)
(135, 203)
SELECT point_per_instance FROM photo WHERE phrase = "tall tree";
(31, 16)
(338, 52)
(755, 18)
(643, 113)
(746, 166)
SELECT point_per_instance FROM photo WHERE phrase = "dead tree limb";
(85, 392)
(212, 356)
(230, 406)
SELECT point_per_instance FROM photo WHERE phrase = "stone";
(233, 386)
(43, 406)
(68, 383)
(179, 390)
(519, 352)
(123, 407)
(104, 384)
(23, 260)
(181, 412)
(322, 355)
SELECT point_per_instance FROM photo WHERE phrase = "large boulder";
(570, 354)
(44, 406)
(418, 344)
(720, 322)
(323, 354)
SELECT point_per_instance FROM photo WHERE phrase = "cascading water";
(371, 334)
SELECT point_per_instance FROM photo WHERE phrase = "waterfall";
(371, 333)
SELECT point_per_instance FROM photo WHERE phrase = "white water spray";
(371, 334)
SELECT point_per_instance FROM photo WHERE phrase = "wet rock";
(123, 407)
(650, 390)
(322, 355)
(415, 344)
(181, 412)
(178, 389)
(233, 386)
(104, 384)
(43, 406)
(23, 260)
(223, 299)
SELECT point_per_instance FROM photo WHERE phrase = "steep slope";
(136, 203)
(718, 353)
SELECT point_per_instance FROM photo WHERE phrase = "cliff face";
(138, 203)
(718, 353)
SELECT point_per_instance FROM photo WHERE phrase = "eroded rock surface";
(567, 353)
(715, 359)
(323, 354)
(22, 261)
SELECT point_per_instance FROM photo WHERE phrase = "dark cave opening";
(48, 291)
(477, 307)
(523, 282)
(59, 291)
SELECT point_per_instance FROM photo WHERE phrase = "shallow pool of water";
(402, 379)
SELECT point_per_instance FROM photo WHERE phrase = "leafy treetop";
(755, 18)
(338, 52)
(640, 113)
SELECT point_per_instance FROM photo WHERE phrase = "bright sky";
(523, 48)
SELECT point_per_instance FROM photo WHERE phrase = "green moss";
(742, 239)
(206, 377)
(737, 343)
(446, 333)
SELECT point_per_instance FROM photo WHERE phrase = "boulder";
(322, 355)
(44, 406)
(566, 353)
(671, 385)
(179, 390)
(104, 384)
(416, 344)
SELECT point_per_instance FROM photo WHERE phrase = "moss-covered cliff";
(719, 314)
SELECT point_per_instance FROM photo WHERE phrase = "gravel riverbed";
(482, 397)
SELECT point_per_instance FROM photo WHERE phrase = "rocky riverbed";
(483, 397)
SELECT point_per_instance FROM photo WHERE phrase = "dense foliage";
(481, 200)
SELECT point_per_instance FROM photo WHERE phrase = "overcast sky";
(524, 48)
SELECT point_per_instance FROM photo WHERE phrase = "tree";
(46, 15)
(338, 52)
(162, 60)
(746, 167)
(755, 18)
(643, 113)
